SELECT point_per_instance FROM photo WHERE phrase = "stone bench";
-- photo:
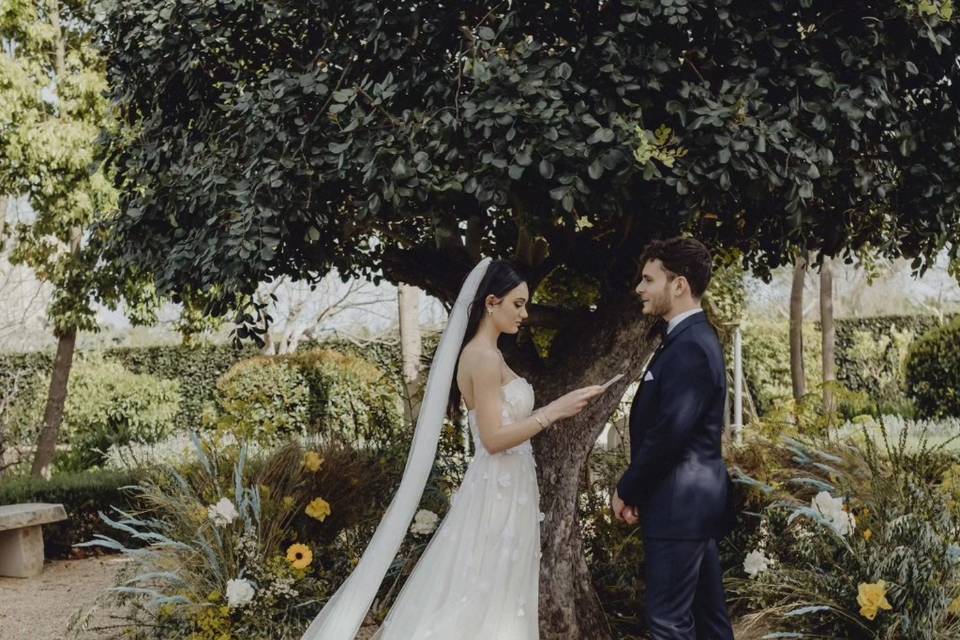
(21, 537)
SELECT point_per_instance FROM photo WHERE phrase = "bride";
(479, 575)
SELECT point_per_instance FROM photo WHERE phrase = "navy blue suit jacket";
(677, 477)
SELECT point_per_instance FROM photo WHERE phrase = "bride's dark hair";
(500, 279)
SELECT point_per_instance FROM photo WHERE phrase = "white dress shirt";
(680, 318)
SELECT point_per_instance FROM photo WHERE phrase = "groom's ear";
(681, 285)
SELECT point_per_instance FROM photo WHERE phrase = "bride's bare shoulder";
(477, 358)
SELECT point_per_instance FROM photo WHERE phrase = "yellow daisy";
(312, 461)
(872, 597)
(299, 556)
(867, 534)
(319, 509)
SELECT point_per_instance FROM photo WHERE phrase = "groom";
(676, 485)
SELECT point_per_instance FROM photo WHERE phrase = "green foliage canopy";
(405, 139)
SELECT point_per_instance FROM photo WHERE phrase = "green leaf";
(595, 170)
(601, 135)
(546, 168)
(400, 168)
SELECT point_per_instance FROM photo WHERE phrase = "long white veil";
(341, 617)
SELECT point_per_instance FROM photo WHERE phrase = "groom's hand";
(618, 506)
(622, 511)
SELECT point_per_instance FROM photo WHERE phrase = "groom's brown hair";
(682, 257)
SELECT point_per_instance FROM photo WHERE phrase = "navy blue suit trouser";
(685, 598)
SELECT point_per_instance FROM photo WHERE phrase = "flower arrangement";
(853, 539)
(222, 557)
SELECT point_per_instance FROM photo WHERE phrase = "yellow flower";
(199, 513)
(867, 534)
(954, 607)
(287, 502)
(299, 556)
(312, 461)
(871, 598)
(319, 509)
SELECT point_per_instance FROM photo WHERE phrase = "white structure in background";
(737, 384)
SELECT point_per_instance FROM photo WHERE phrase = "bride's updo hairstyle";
(500, 279)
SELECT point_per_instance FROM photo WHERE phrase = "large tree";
(406, 139)
(53, 109)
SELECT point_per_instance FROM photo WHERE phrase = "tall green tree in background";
(405, 139)
(53, 107)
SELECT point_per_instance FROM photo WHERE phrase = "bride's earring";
(489, 311)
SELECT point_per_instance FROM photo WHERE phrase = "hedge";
(82, 494)
(933, 372)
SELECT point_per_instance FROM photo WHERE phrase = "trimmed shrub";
(871, 355)
(262, 399)
(766, 362)
(106, 405)
(196, 368)
(350, 397)
(82, 494)
(933, 372)
(323, 392)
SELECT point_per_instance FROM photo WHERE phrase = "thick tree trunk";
(828, 334)
(797, 373)
(408, 302)
(617, 342)
(56, 399)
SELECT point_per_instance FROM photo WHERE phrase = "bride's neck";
(487, 334)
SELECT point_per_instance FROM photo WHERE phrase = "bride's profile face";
(509, 312)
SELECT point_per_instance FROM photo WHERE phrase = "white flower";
(504, 480)
(424, 523)
(756, 563)
(833, 511)
(223, 513)
(239, 592)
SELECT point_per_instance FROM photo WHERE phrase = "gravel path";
(40, 608)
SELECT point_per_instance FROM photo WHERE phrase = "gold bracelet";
(543, 426)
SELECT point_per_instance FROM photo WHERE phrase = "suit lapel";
(695, 319)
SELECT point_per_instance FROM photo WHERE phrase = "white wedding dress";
(478, 578)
